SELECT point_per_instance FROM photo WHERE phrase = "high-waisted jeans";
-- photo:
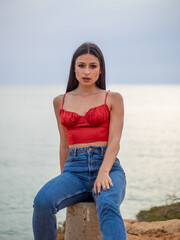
(75, 184)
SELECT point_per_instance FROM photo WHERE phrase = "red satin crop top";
(92, 127)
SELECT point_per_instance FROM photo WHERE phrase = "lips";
(86, 78)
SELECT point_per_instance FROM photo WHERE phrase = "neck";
(86, 90)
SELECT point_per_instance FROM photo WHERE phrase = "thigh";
(115, 194)
(62, 191)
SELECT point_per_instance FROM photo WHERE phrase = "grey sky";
(140, 39)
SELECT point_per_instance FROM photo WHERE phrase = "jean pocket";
(69, 159)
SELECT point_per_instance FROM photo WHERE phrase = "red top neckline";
(105, 104)
(88, 110)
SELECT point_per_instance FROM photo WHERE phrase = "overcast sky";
(140, 39)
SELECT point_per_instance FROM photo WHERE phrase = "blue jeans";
(75, 184)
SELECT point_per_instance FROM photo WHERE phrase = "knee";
(42, 202)
(106, 207)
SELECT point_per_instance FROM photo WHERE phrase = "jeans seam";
(72, 195)
(123, 187)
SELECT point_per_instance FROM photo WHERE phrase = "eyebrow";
(90, 63)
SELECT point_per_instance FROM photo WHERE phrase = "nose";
(86, 70)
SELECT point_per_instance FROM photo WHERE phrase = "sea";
(29, 150)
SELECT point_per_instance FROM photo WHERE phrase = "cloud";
(138, 38)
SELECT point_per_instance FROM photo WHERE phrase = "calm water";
(29, 141)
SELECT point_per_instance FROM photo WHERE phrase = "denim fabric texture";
(75, 184)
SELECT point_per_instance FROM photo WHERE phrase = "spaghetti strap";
(63, 100)
(106, 95)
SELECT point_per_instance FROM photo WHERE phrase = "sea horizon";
(29, 149)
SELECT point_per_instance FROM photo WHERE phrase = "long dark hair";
(93, 49)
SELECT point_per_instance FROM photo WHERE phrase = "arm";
(64, 147)
(115, 132)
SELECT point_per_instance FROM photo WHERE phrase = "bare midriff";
(78, 145)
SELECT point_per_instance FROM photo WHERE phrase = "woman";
(90, 123)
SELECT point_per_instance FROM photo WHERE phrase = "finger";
(95, 188)
(105, 185)
(110, 182)
(98, 188)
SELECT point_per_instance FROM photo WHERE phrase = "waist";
(96, 143)
(86, 150)
(86, 135)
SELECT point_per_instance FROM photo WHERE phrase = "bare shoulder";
(116, 99)
(57, 101)
(116, 96)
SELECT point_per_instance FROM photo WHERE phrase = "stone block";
(82, 222)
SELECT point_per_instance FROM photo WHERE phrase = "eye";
(81, 65)
(93, 66)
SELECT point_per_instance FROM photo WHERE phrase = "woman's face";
(87, 69)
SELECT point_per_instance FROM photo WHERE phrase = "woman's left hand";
(103, 179)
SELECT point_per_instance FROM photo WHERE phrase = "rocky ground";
(157, 223)
(160, 230)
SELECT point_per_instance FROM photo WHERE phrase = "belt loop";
(101, 150)
(75, 152)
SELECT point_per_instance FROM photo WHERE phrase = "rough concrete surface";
(82, 222)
